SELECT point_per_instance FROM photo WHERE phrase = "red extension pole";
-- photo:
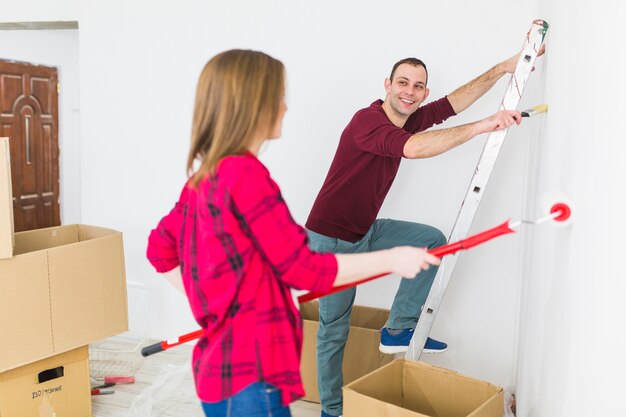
(441, 251)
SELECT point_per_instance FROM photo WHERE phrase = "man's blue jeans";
(335, 309)
(256, 400)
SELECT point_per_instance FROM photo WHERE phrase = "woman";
(239, 250)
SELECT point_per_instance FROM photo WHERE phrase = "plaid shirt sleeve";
(264, 216)
(162, 251)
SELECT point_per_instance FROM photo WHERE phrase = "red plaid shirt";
(240, 251)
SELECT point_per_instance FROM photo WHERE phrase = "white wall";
(137, 94)
(56, 48)
(571, 352)
(139, 62)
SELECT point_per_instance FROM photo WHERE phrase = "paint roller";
(559, 212)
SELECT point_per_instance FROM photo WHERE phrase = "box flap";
(52, 237)
(6, 202)
(88, 281)
(361, 354)
(310, 311)
(72, 356)
(372, 384)
(378, 393)
(58, 293)
(362, 316)
(40, 239)
(368, 317)
(25, 325)
(409, 388)
(492, 407)
(437, 391)
(87, 232)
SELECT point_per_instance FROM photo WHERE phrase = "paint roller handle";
(166, 344)
(473, 240)
(152, 349)
(467, 243)
(441, 251)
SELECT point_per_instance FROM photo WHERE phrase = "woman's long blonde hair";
(238, 101)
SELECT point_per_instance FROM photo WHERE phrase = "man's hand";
(466, 95)
(509, 65)
(501, 120)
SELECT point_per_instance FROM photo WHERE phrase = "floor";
(163, 384)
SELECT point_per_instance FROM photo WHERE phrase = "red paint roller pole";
(164, 345)
(467, 243)
(559, 212)
(439, 252)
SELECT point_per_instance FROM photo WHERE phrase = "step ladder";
(532, 44)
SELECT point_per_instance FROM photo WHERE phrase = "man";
(343, 217)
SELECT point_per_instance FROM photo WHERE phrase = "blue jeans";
(335, 309)
(256, 400)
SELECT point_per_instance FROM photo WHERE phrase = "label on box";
(41, 392)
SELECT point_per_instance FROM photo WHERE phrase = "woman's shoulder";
(237, 164)
(241, 173)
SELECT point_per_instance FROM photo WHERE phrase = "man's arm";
(466, 95)
(435, 142)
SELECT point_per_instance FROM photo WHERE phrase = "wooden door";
(29, 117)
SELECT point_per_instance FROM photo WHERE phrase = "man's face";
(407, 90)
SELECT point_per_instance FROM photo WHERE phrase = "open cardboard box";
(361, 355)
(64, 288)
(60, 288)
(407, 388)
(57, 386)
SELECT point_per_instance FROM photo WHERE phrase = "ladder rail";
(478, 183)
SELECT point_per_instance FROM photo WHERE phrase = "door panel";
(29, 117)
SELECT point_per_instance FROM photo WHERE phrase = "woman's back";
(240, 251)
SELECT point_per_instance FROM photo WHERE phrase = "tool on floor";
(113, 379)
(107, 385)
(101, 392)
(559, 212)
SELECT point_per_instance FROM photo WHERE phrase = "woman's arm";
(405, 261)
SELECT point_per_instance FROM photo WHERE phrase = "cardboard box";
(407, 388)
(361, 355)
(54, 387)
(64, 288)
(6, 201)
